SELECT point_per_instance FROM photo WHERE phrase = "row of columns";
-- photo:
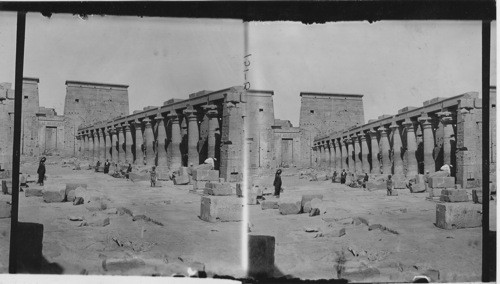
(380, 157)
(117, 142)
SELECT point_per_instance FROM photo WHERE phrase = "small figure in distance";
(41, 171)
(106, 167)
(389, 185)
(334, 177)
(343, 176)
(365, 180)
(153, 176)
(277, 183)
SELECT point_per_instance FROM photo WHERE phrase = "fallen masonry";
(458, 215)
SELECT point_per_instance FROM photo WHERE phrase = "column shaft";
(396, 148)
(364, 153)
(129, 145)
(149, 141)
(161, 138)
(357, 155)
(374, 153)
(429, 164)
(139, 143)
(411, 148)
(114, 142)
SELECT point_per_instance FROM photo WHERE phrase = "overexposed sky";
(393, 63)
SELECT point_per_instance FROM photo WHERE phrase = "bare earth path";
(414, 246)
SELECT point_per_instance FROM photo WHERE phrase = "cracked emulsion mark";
(246, 62)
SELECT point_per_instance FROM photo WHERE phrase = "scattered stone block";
(73, 186)
(5, 209)
(375, 185)
(376, 227)
(235, 177)
(417, 187)
(261, 256)
(309, 197)
(205, 175)
(335, 233)
(218, 188)
(399, 184)
(442, 182)
(316, 203)
(221, 208)
(269, 204)
(359, 220)
(289, 206)
(70, 197)
(434, 192)
(74, 218)
(252, 199)
(33, 191)
(122, 264)
(54, 194)
(78, 201)
(306, 208)
(454, 195)
(199, 185)
(257, 191)
(438, 174)
(99, 222)
(458, 215)
(96, 204)
(181, 180)
(138, 177)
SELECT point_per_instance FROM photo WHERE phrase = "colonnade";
(399, 147)
(150, 140)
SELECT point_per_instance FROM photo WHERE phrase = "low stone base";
(289, 206)
(261, 256)
(454, 195)
(221, 208)
(458, 215)
(5, 209)
(442, 182)
(57, 193)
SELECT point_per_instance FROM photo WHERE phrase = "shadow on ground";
(29, 251)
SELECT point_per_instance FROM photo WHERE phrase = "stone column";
(149, 140)
(396, 149)
(327, 154)
(411, 148)
(447, 122)
(107, 140)
(139, 141)
(129, 156)
(86, 147)
(161, 138)
(333, 153)
(429, 164)
(348, 157)
(338, 155)
(375, 150)
(80, 142)
(357, 154)
(364, 153)
(175, 143)
(114, 140)
(341, 151)
(120, 153)
(95, 146)
(193, 137)
(384, 149)
(101, 146)
(213, 125)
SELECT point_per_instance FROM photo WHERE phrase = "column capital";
(159, 117)
(394, 125)
(445, 117)
(112, 130)
(173, 116)
(147, 122)
(119, 127)
(408, 124)
(424, 119)
(362, 136)
(137, 123)
(126, 127)
(190, 114)
(372, 132)
(210, 107)
(382, 130)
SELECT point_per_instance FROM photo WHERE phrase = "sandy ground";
(181, 240)
(418, 246)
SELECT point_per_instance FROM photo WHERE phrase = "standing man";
(41, 171)
(343, 176)
(277, 183)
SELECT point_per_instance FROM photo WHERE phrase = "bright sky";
(394, 64)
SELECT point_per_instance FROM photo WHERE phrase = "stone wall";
(87, 103)
(260, 140)
(286, 146)
(321, 114)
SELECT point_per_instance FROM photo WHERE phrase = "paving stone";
(33, 191)
(442, 182)
(309, 197)
(289, 206)
(54, 193)
(122, 264)
(205, 175)
(261, 256)
(221, 208)
(269, 204)
(5, 209)
(458, 215)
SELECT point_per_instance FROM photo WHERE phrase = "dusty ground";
(418, 246)
(181, 240)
